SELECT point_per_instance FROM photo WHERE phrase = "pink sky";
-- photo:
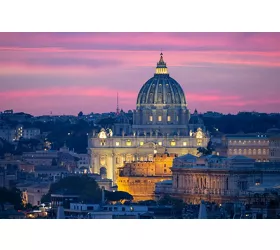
(70, 72)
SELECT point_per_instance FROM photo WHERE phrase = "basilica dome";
(161, 89)
(161, 106)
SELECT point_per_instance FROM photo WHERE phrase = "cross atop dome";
(161, 68)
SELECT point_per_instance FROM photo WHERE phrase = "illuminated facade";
(255, 146)
(218, 179)
(139, 178)
(160, 122)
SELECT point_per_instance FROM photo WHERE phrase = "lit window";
(168, 118)
(151, 118)
(173, 143)
(141, 143)
(128, 143)
(160, 143)
(184, 143)
(117, 143)
(159, 118)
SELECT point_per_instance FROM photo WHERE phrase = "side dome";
(161, 89)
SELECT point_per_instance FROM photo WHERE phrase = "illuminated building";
(218, 179)
(33, 192)
(255, 146)
(139, 178)
(160, 122)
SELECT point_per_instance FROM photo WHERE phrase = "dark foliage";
(84, 186)
(118, 196)
(12, 196)
(206, 151)
(243, 121)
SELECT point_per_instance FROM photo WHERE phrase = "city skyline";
(65, 73)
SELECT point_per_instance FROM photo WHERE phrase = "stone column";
(95, 160)
(113, 168)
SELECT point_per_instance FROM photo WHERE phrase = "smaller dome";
(122, 118)
(195, 119)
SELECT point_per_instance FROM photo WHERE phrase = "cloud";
(218, 71)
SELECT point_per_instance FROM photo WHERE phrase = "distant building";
(218, 179)
(42, 157)
(30, 133)
(139, 178)
(255, 146)
(274, 148)
(7, 133)
(50, 173)
(33, 192)
(95, 211)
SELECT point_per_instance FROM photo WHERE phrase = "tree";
(80, 114)
(118, 196)
(12, 196)
(84, 186)
(206, 151)
(177, 204)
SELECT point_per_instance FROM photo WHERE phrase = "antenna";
(118, 110)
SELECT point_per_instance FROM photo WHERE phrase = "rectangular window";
(151, 118)
(173, 143)
(168, 118)
(141, 143)
(159, 118)
(184, 143)
(128, 143)
(117, 143)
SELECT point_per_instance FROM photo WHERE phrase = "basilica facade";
(160, 123)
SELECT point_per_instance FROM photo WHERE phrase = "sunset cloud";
(224, 72)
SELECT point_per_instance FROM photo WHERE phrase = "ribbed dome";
(161, 89)
(195, 119)
(121, 118)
